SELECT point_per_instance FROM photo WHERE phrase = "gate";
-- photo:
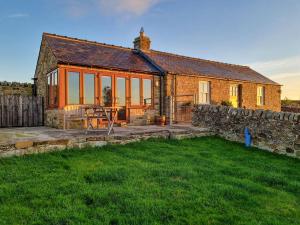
(183, 107)
(21, 111)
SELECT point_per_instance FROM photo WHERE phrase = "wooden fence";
(21, 111)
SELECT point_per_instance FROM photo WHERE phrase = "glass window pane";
(135, 91)
(89, 88)
(121, 92)
(106, 91)
(121, 97)
(147, 92)
(204, 92)
(73, 88)
(54, 87)
(48, 89)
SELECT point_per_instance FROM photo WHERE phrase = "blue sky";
(264, 34)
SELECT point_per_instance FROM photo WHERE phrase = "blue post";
(248, 138)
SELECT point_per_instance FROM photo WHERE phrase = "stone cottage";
(140, 80)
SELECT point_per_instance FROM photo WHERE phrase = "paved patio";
(19, 141)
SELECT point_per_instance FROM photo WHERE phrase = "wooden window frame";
(140, 91)
(51, 103)
(262, 101)
(99, 89)
(141, 79)
(67, 85)
(113, 76)
(208, 91)
(86, 72)
(152, 92)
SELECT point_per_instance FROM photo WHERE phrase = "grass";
(197, 181)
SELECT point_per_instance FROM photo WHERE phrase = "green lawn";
(196, 181)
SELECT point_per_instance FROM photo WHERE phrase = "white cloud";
(17, 15)
(285, 71)
(290, 65)
(126, 8)
(135, 7)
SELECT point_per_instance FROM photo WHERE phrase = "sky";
(263, 34)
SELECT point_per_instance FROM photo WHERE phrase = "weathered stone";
(52, 142)
(258, 113)
(272, 131)
(23, 144)
(297, 117)
(97, 143)
(269, 115)
(297, 145)
(291, 117)
(290, 150)
(276, 115)
(281, 115)
(286, 116)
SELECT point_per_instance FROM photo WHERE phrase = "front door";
(234, 95)
(121, 97)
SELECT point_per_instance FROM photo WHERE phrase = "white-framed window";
(234, 90)
(204, 92)
(260, 95)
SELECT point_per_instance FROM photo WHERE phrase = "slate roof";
(93, 54)
(178, 64)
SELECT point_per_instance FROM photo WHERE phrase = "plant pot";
(161, 120)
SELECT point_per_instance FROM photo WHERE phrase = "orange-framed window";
(141, 91)
(73, 88)
(105, 87)
(147, 92)
(89, 88)
(52, 89)
(135, 91)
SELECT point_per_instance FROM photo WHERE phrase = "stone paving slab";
(20, 141)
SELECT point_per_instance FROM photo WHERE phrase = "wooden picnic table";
(98, 113)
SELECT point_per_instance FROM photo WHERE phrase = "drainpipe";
(161, 102)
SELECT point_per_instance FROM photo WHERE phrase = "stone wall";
(16, 88)
(277, 132)
(45, 64)
(220, 91)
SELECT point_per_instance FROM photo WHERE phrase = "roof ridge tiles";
(86, 41)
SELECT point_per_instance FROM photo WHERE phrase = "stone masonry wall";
(46, 63)
(16, 88)
(278, 132)
(220, 91)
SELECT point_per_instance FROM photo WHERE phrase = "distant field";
(291, 103)
(290, 106)
(196, 181)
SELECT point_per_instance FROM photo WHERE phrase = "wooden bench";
(73, 113)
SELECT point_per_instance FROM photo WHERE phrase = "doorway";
(235, 95)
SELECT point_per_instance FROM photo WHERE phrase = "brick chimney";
(142, 42)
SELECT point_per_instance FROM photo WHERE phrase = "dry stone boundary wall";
(278, 132)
